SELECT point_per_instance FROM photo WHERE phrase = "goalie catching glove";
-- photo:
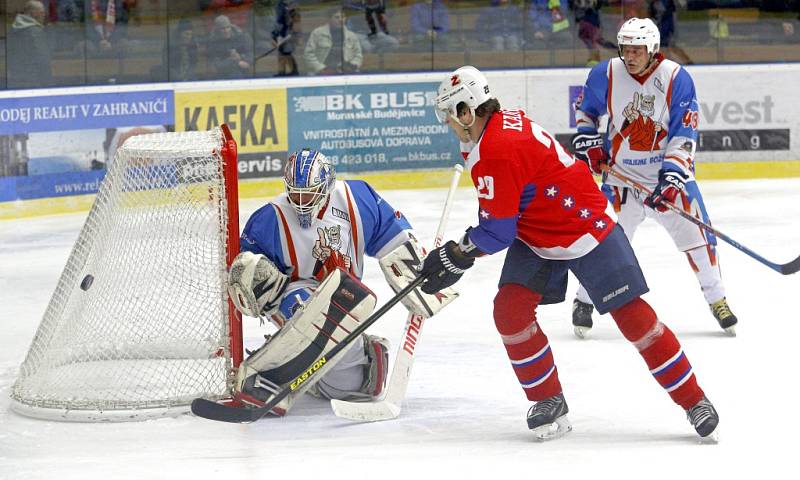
(255, 284)
(401, 267)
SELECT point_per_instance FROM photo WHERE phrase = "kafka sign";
(371, 127)
(257, 119)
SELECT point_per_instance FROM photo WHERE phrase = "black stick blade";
(221, 412)
(791, 267)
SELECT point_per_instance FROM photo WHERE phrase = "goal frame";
(227, 155)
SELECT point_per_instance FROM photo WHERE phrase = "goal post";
(140, 322)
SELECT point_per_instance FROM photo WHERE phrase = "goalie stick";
(389, 407)
(232, 414)
(782, 268)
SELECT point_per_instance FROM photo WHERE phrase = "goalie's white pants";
(344, 380)
(698, 245)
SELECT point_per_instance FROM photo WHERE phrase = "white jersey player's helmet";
(468, 85)
(639, 31)
(309, 179)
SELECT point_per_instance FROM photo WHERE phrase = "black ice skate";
(704, 418)
(548, 418)
(582, 317)
(722, 312)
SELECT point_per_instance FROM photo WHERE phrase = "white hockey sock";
(705, 263)
(582, 295)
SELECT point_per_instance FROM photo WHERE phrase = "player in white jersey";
(651, 137)
(291, 249)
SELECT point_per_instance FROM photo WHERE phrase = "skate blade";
(731, 331)
(554, 430)
(710, 439)
(582, 332)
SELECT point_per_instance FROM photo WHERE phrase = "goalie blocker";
(335, 309)
(401, 267)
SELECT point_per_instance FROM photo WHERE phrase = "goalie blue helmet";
(309, 178)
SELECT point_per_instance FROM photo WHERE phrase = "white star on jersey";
(599, 224)
(584, 213)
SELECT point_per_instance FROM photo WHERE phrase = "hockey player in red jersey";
(544, 206)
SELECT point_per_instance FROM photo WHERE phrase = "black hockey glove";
(444, 266)
(670, 184)
(590, 148)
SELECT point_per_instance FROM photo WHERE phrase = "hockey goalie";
(300, 266)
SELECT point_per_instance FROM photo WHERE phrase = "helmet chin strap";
(465, 126)
(649, 62)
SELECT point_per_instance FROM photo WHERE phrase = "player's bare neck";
(479, 127)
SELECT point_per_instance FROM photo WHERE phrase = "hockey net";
(140, 323)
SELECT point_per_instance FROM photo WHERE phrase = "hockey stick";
(784, 269)
(389, 407)
(231, 414)
(277, 46)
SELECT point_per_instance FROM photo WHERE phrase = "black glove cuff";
(453, 258)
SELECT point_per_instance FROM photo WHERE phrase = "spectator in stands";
(430, 26)
(29, 62)
(239, 12)
(183, 53)
(107, 27)
(501, 25)
(663, 14)
(263, 24)
(332, 48)
(375, 10)
(549, 23)
(372, 41)
(285, 36)
(230, 50)
(590, 30)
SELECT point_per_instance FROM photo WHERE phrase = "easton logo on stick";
(307, 374)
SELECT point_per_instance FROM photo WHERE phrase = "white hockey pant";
(688, 238)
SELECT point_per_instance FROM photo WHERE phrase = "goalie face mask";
(309, 179)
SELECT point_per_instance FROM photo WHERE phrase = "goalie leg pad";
(335, 309)
(400, 267)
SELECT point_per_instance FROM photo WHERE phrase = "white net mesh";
(139, 320)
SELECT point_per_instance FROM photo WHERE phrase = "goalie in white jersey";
(651, 137)
(301, 261)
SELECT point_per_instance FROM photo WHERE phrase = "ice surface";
(465, 413)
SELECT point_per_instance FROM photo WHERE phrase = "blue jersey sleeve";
(262, 235)
(683, 123)
(493, 235)
(381, 222)
(593, 103)
(683, 107)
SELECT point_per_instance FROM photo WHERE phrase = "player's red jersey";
(530, 188)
